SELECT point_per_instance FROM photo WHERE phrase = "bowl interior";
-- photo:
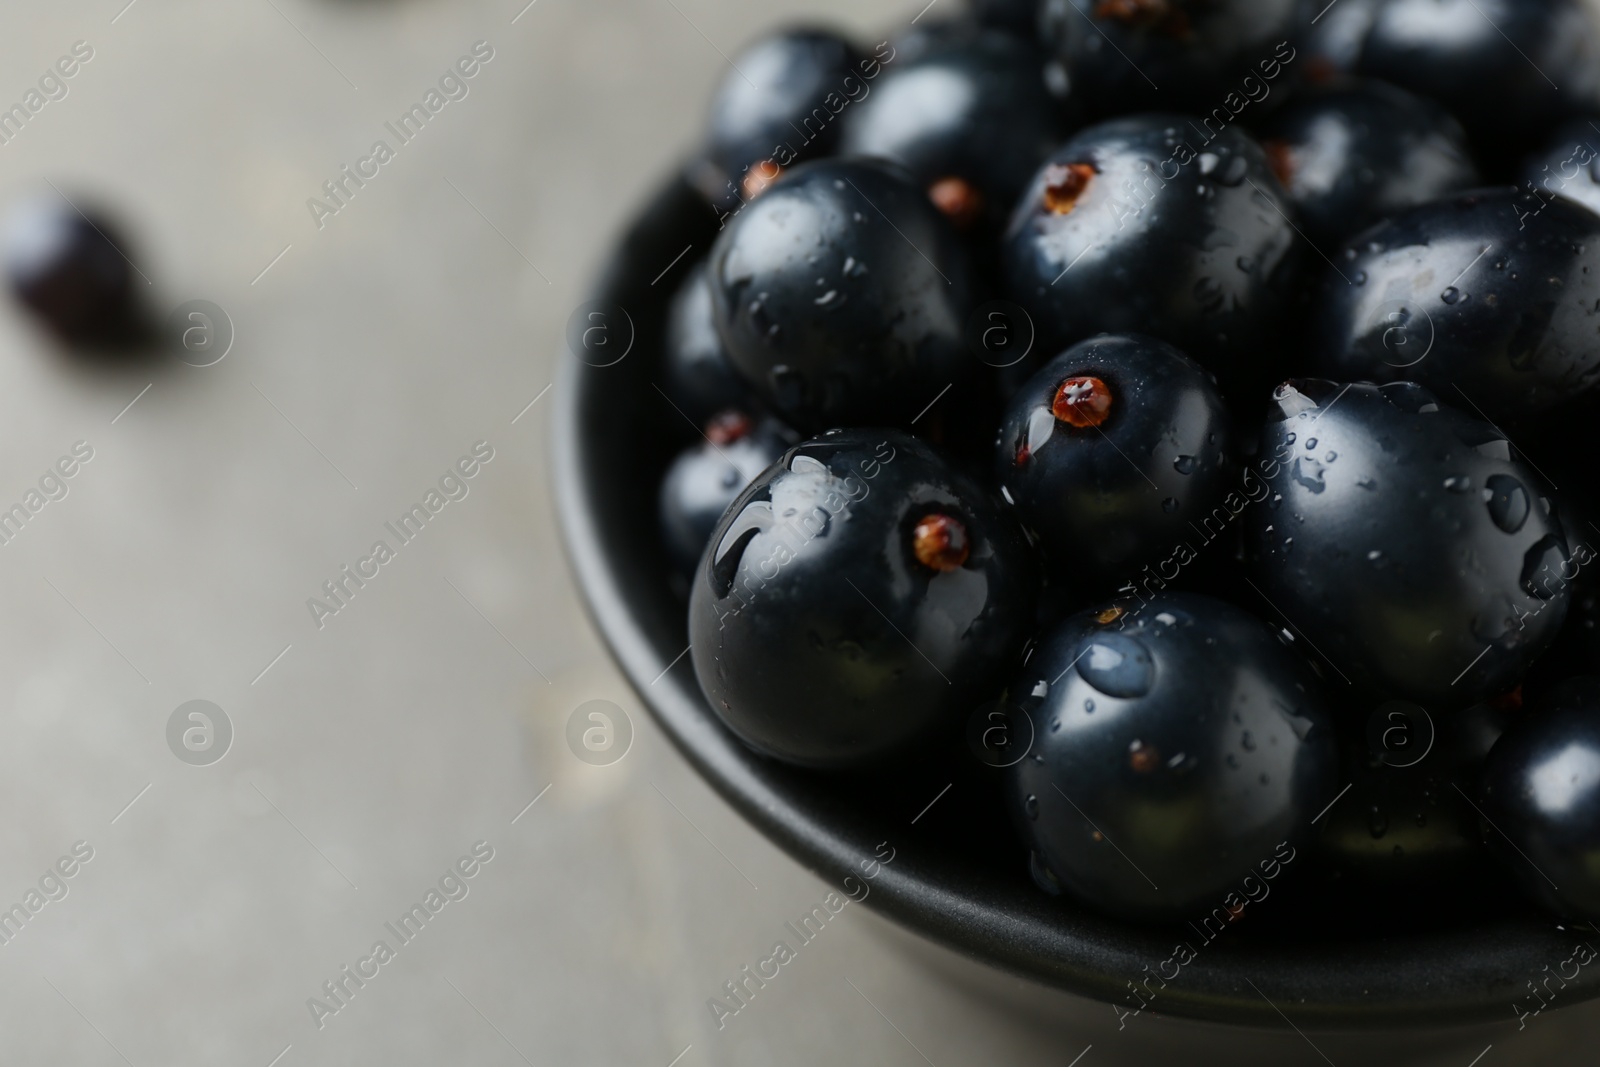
(956, 874)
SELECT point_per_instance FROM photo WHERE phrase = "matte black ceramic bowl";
(957, 876)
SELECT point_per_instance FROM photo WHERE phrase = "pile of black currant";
(1185, 406)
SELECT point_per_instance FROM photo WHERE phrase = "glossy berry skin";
(1139, 55)
(977, 110)
(697, 375)
(774, 107)
(66, 270)
(1331, 45)
(842, 295)
(1167, 235)
(1406, 541)
(1100, 500)
(1352, 153)
(1541, 797)
(1407, 829)
(705, 479)
(1179, 746)
(1568, 165)
(1496, 64)
(1510, 330)
(819, 634)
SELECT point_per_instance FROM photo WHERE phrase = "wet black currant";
(1179, 748)
(842, 295)
(859, 597)
(1114, 454)
(1406, 542)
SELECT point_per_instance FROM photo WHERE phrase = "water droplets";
(1031, 806)
(1508, 502)
(1308, 473)
(1169, 505)
(1117, 665)
(1450, 295)
(1459, 483)
(761, 321)
(1184, 464)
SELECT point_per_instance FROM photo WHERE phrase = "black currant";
(859, 597)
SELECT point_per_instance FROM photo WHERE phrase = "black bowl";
(956, 877)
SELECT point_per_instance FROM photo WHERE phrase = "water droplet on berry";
(1508, 502)
(1308, 472)
(1117, 666)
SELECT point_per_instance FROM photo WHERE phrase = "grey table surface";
(372, 751)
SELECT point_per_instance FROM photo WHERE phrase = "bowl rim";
(1433, 978)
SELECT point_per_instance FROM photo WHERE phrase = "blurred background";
(369, 755)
